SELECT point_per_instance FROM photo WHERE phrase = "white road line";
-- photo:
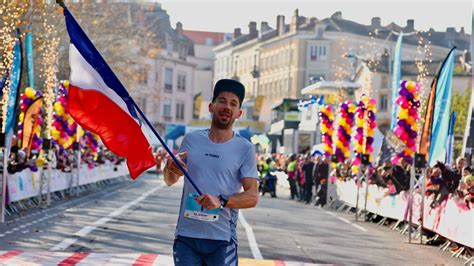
(24, 232)
(359, 227)
(251, 237)
(86, 230)
(347, 221)
(8, 232)
(2, 235)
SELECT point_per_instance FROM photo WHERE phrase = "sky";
(225, 15)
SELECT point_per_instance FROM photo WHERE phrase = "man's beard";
(221, 124)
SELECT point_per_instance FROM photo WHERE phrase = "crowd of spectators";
(308, 177)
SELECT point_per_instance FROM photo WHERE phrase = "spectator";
(308, 169)
(291, 171)
(322, 176)
(438, 188)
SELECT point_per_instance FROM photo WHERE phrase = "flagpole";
(166, 148)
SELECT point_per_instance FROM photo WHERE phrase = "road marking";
(347, 221)
(87, 229)
(2, 235)
(251, 237)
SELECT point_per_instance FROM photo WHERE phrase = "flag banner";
(197, 105)
(29, 57)
(424, 147)
(100, 103)
(442, 111)
(15, 77)
(396, 76)
(29, 123)
(450, 143)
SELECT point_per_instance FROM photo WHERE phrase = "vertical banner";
(29, 57)
(197, 105)
(396, 76)
(442, 111)
(450, 143)
(13, 95)
(257, 107)
(425, 140)
(32, 114)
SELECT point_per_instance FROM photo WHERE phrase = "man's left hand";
(208, 201)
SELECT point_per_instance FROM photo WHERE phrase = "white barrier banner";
(26, 184)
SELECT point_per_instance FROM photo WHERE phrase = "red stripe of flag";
(145, 259)
(117, 129)
(10, 254)
(73, 259)
(279, 263)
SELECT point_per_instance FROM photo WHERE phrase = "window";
(167, 111)
(168, 79)
(180, 111)
(181, 82)
(209, 41)
(144, 105)
(143, 74)
(314, 53)
(383, 102)
(320, 32)
(313, 78)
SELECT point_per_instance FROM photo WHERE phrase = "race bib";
(197, 212)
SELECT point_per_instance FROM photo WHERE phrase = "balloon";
(30, 92)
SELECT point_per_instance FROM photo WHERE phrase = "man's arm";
(246, 199)
(172, 173)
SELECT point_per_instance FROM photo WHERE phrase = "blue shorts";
(189, 251)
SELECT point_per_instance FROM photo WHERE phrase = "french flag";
(98, 102)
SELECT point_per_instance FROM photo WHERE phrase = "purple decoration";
(403, 84)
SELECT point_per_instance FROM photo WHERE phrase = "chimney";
(337, 15)
(237, 33)
(376, 23)
(179, 28)
(281, 24)
(451, 36)
(462, 31)
(294, 21)
(264, 26)
(410, 25)
(253, 28)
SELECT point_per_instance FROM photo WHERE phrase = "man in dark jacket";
(322, 174)
(308, 169)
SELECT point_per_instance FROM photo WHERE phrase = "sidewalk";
(16, 257)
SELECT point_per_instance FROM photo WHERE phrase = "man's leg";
(224, 255)
(184, 254)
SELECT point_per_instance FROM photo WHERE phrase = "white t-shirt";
(216, 169)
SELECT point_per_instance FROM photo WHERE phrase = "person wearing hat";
(220, 163)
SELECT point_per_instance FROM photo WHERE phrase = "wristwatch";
(223, 200)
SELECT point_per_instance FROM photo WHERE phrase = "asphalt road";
(140, 217)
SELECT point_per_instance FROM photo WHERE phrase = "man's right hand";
(172, 173)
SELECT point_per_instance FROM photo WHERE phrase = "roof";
(328, 87)
(200, 37)
(338, 24)
(460, 40)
